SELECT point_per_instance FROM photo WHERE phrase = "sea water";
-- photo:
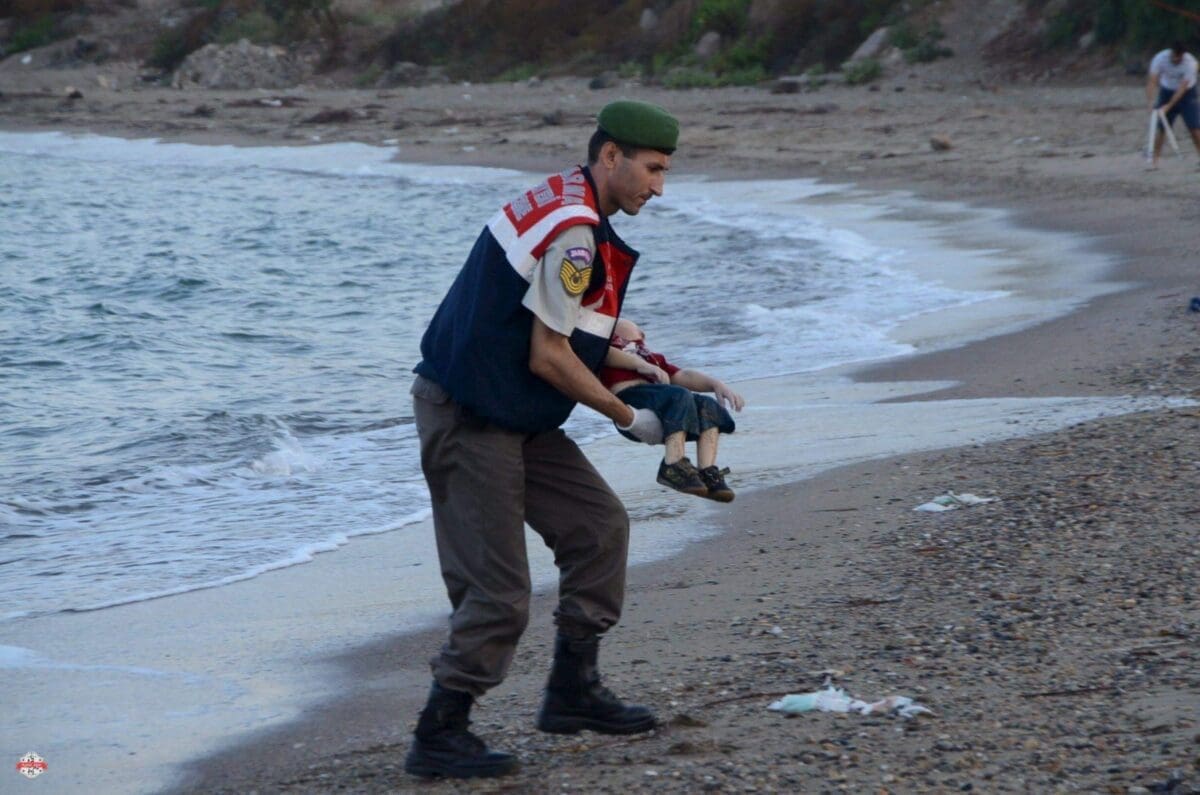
(205, 352)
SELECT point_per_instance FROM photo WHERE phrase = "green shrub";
(369, 76)
(175, 44)
(689, 77)
(1141, 25)
(917, 46)
(1063, 29)
(749, 76)
(630, 70)
(743, 54)
(517, 74)
(255, 25)
(727, 17)
(37, 33)
(903, 36)
(859, 72)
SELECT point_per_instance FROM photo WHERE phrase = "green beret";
(640, 124)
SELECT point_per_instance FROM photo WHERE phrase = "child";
(645, 379)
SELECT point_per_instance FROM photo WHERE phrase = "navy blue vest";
(477, 345)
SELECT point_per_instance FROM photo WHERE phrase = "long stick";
(1170, 133)
(1176, 9)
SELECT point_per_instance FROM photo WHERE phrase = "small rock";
(553, 119)
(73, 93)
(402, 73)
(873, 46)
(603, 80)
(708, 46)
(940, 143)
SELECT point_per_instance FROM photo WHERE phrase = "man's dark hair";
(1177, 47)
(599, 139)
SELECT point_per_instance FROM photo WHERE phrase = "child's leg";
(706, 447)
(674, 448)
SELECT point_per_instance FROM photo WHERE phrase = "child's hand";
(657, 373)
(728, 398)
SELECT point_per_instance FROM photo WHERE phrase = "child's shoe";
(682, 476)
(714, 482)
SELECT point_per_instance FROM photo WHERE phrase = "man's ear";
(608, 155)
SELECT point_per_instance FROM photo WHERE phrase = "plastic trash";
(1194, 305)
(950, 501)
(834, 699)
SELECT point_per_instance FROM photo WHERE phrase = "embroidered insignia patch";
(574, 278)
(581, 255)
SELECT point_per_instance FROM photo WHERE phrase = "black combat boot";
(443, 745)
(576, 700)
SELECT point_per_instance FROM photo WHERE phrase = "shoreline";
(678, 661)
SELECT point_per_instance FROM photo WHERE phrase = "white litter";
(951, 501)
(834, 699)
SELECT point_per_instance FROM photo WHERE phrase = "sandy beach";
(1053, 632)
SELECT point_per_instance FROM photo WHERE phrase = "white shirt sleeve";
(1189, 71)
(561, 277)
(1159, 62)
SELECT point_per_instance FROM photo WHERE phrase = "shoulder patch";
(575, 277)
(581, 255)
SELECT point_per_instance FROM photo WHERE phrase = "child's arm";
(627, 361)
(703, 382)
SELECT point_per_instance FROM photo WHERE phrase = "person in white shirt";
(1171, 86)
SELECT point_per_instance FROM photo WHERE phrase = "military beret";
(640, 124)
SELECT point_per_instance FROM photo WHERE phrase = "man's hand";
(645, 426)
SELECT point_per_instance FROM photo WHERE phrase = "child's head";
(628, 330)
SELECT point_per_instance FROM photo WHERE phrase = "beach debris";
(821, 108)
(554, 118)
(73, 93)
(203, 111)
(835, 699)
(267, 102)
(1194, 304)
(940, 143)
(331, 116)
(951, 501)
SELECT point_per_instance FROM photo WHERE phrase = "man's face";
(632, 181)
(1176, 58)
